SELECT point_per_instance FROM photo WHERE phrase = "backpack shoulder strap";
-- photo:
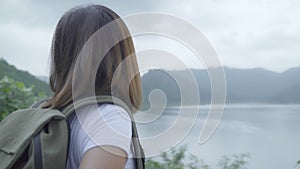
(37, 104)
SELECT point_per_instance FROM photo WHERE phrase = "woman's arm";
(103, 158)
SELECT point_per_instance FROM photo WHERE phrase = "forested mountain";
(23, 76)
(243, 85)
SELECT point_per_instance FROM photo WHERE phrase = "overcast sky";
(245, 33)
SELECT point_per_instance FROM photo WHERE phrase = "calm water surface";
(269, 133)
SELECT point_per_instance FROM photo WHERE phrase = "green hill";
(23, 76)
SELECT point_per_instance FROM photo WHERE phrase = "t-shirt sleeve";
(107, 125)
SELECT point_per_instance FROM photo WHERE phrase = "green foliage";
(236, 162)
(23, 76)
(175, 159)
(298, 163)
(15, 95)
(195, 163)
(172, 160)
(151, 164)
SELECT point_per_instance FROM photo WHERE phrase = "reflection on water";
(270, 133)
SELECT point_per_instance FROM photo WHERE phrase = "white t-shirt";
(94, 126)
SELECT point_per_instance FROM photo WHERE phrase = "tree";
(236, 162)
(171, 160)
(15, 95)
(175, 159)
(195, 163)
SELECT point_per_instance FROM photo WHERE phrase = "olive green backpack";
(37, 138)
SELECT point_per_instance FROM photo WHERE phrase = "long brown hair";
(73, 30)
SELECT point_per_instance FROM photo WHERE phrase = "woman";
(74, 29)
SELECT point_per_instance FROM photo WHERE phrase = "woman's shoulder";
(104, 120)
(112, 109)
(92, 112)
(105, 124)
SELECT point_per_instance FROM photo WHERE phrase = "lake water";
(269, 133)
